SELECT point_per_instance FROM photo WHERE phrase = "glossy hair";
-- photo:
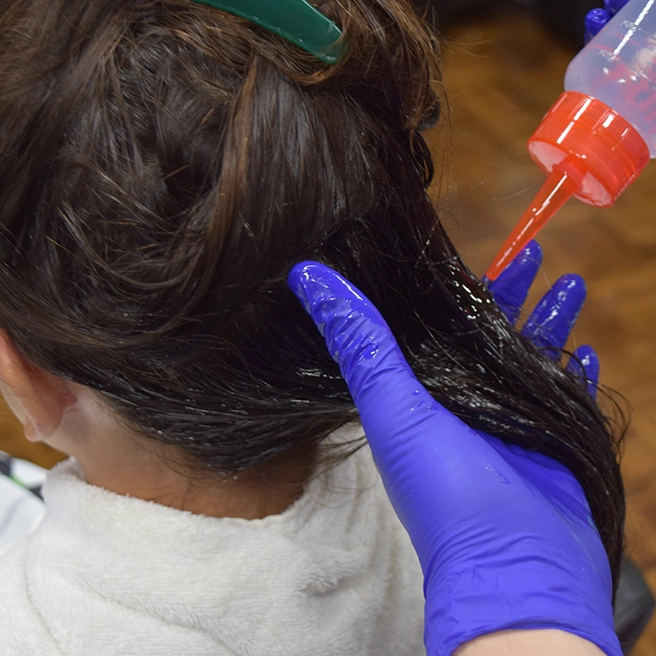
(163, 165)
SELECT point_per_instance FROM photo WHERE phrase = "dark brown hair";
(164, 164)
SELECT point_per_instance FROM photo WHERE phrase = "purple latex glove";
(504, 536)
(597, 18)
(553, 318)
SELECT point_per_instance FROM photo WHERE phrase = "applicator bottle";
(601, 132)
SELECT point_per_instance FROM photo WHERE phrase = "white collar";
(333, 574)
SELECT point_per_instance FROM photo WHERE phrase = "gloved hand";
(553, 318)
(597, 18)
(504, 536)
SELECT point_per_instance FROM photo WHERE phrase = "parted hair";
(164, 164)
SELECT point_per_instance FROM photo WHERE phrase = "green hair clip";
(295, 20)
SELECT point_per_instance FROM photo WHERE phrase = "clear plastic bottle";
(601, 132)
(618, 67)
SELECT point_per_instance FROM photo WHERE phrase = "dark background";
(563, 17)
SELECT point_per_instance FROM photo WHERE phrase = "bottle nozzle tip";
(555, 191)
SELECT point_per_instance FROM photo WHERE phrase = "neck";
(266, 490)
(128, 464)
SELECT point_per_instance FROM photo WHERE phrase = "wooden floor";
(502, 73)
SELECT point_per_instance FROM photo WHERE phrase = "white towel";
(105, 574)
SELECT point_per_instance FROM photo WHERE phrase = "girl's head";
(164, 164)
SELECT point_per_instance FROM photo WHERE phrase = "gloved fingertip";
(510, 289)
(532, 251)
(569, 293)
(525, 265)
(349, 322)
(297, 280)
(585, 364)
(324, 293)
(595, 20)
(553, 318)
(574, 283)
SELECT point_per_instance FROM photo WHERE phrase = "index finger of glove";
(394, 407)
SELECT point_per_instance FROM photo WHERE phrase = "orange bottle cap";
(588, 151)
(591, 142)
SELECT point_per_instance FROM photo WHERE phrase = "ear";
(36, 397)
